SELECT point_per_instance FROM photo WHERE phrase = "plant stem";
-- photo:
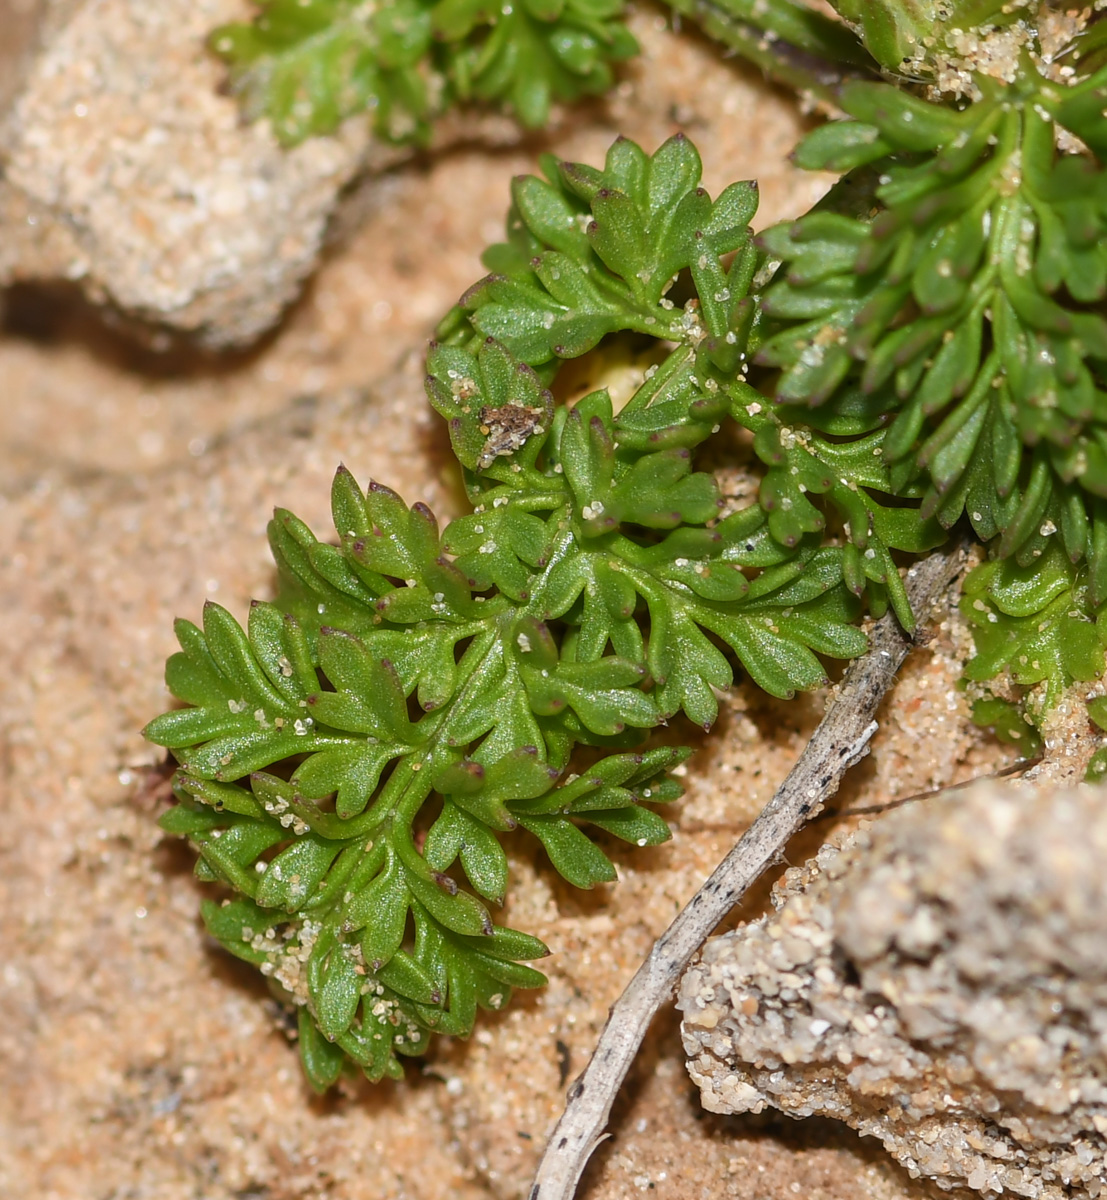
(792, 45)
(841, 740)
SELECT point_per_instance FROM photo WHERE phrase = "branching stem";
(841, 740)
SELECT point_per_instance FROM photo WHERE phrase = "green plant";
(409, 683)
(954, 296)
(925, 348)
(307, 65)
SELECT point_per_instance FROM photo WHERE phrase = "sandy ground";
(136, 1062)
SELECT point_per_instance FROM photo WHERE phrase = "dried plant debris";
(938, 982)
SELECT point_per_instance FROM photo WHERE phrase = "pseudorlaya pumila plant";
(924, 350)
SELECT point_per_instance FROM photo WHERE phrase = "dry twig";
(841, 739)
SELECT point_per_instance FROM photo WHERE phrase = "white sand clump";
(938, 982)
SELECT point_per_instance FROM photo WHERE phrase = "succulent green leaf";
(455, 835)
(574, 855)
(322, 1060)
(338, 994)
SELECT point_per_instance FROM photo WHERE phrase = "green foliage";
(1037, 632)
(792, 43)
(305, 766)
(595, 252)
(889, 28)
(1037, 624)
(351, 758)
(1007, 721)
(918, 36)
(949, 292)
(309, 64)
(927, 344)
(964, 312)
